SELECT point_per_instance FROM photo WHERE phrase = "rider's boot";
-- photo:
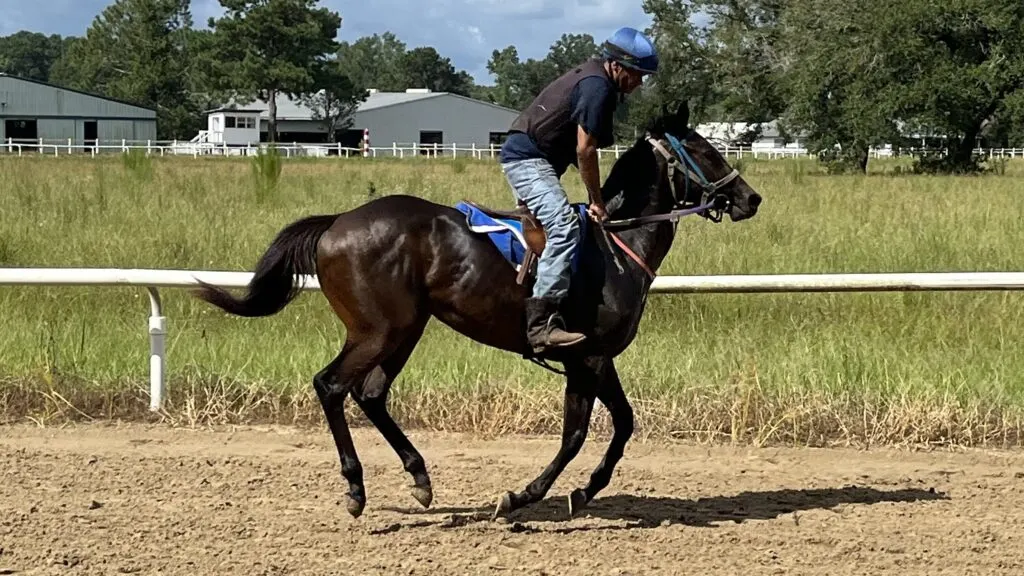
(545, 328)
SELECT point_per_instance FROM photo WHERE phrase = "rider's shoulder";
(595, 87)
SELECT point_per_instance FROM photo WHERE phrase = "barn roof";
(288, 109)
(75, 91)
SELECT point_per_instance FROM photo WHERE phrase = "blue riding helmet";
(629, 47)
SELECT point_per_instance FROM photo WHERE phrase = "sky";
(466, 31)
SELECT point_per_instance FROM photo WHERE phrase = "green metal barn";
(31, 111)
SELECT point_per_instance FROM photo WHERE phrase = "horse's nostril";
(755, 200)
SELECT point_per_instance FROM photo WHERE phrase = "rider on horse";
(566, 124)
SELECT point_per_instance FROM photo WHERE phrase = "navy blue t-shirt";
(592, 103)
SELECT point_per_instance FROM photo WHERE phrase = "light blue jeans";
(535, 183)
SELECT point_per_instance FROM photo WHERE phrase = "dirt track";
(146, 499)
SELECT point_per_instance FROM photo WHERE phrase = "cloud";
(475, 33)
(467, 31)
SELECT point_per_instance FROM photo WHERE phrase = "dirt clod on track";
(134, 499)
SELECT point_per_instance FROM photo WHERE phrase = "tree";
(837, 86)
(376, 61)
(268, 47)
(139, 51)
(876, 72)
(381, 61)
(424, 68)
(570, 51)
(745, 58)
(517, 83)
(336, 101)
(30, 54)
(1007, 128)
(957, 64)
(511, 87)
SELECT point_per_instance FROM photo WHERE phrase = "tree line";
(847, 76)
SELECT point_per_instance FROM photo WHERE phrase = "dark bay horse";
(390, 265)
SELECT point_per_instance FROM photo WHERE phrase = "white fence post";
(157, 348)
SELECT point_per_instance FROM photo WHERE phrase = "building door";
(91, 133)
(428, 138)
(349, 138)
(21, 130)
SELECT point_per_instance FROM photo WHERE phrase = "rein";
(712, 204)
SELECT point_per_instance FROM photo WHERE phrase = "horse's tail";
(273, 285)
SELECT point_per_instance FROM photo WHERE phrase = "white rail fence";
(152, 280)
(395, 150)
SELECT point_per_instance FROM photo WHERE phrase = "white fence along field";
(396, 150)
(152, 280)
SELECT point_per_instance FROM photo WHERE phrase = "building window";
(240, 122)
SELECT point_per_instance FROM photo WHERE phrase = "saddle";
(533, 232)
(517, 233)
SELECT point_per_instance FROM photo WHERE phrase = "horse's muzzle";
(745, 208)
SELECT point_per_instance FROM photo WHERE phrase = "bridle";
(713, 203)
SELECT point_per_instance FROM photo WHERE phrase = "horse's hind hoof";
(355, 507)
(577, 501)
(504, 507)
(423, 494)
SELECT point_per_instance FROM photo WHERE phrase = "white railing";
(154, 279)
(200, 147)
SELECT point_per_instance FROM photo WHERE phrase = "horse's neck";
(651, 242)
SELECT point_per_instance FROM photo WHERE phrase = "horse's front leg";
(610, 393)
(581, 386)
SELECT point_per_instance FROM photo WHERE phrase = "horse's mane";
(626, 191)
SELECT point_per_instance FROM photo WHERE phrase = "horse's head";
(697, 173)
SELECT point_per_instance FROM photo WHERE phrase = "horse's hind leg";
(372, 399)
(348, 370)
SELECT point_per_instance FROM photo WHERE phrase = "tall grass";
(790, 368)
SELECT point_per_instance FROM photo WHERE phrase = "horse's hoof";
(423, 494)
(577, 501)
(504, 507)
(355, 507)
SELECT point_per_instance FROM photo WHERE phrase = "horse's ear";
(682, 118)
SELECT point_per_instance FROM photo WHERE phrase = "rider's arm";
(586, 153)
(592, 104)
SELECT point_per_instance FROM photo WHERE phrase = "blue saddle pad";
(507, 233)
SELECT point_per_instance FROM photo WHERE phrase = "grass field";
(944, 368)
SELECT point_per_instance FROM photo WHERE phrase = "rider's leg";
(535, 183)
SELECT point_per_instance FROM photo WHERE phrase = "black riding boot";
(545, 327)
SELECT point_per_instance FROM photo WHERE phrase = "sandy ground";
(102, 499)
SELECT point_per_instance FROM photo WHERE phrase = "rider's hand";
(597, 212)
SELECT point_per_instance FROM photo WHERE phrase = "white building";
(31, 111)
(414, 117)
(770, 137)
